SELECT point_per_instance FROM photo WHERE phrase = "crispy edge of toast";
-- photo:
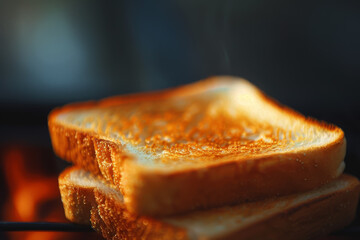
(197, 188)
(109, 216)
(313, 217)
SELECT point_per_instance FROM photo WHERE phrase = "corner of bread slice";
(76, 184)
(318, 146)
(88, 199)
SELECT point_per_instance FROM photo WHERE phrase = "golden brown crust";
(77, 201)
(108, 215)
(113, 221)
(159, 193)
(74, 146)
(307, 218)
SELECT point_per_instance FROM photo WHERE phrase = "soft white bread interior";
(89, 200)
(214, 142)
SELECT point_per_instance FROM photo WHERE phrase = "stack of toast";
(216, 159)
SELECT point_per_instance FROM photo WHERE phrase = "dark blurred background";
(306, 54)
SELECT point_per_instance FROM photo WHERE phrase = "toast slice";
(89, 200)
(215, 142)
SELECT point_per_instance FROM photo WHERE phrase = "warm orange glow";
(33, 195)
(28, 199)
(27, 191)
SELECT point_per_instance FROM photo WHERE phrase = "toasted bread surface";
(90, 200)
(217, 141)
